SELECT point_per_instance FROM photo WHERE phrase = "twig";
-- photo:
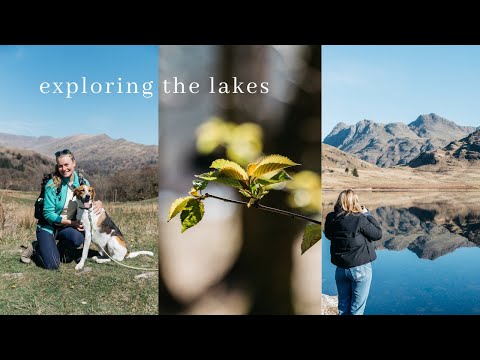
(266, 208)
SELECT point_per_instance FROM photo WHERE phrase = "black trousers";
(49, 253)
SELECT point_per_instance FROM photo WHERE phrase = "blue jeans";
(49, 253)
(353, 286)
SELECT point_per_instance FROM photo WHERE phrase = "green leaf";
(281, 176)
(251, 168)
(209, 176)
(272, 163)
(277, 178)
(199, 184)
(229, 181)
(245, 193)
(194, 192)
(255, 189)
(192, 214)
(177, 206)
(225, 180)
(219, 164)
(229, 169)
(313, 233)
(260, 193)
(234, 173)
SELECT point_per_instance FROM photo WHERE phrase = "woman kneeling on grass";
(60, 221)
(351, 229)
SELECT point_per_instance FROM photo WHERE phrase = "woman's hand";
(97, 207)
(77, 225)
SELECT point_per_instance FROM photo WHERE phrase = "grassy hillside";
(97, 154)
(99, 288)
(336, 158)
(23, 169)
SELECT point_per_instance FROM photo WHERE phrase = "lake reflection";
(433, 264)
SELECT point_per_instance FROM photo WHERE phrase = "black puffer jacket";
(351, 236)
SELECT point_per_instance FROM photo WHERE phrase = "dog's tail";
(136, 253)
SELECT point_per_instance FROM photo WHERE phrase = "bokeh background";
(239, 260)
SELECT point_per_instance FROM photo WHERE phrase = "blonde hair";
(57, 177)
(348, 201)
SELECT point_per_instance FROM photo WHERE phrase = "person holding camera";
(59, 216)
(351, 229)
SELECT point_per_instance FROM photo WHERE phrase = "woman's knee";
(71, 237)
(49, 262)
(77, 238)
(46, 251)
(52, 266)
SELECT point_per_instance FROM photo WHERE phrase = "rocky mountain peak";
(339, 127)
(467, 148)
(434, 125)
(429, 118)
(457, 153)
(396, 143)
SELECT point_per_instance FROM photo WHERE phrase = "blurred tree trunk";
(167, 303)
(227, 54)
(264, 266)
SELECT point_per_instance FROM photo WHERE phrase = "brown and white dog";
(100, 229)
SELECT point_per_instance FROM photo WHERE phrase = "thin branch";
(287, 213)
(266, 208)
(227, 200)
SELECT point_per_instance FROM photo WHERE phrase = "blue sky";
(24, 110)
(398, 83)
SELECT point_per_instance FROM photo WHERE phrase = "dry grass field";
(98, 288)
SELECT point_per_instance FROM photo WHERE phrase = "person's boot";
(26, 256)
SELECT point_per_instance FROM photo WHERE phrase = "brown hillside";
(97, 154)
(23, 169)
(335, 158)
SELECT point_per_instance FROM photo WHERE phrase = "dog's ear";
(92, 191)
(77, 191)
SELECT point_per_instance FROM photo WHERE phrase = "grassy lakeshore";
(98, 288)
(402, 179)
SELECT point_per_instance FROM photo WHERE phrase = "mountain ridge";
(459, 153)
(397, 143)
(97, 154)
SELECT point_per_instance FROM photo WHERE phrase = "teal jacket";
(53, 204)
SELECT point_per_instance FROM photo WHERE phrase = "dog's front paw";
(79, 266)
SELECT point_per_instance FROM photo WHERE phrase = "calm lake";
(428, 260)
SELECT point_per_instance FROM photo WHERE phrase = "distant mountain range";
(96, 154)
(396, 143)
(458, 153)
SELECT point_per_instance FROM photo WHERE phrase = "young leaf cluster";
(253, 183)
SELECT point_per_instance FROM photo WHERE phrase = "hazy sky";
(24, 110)
(398, 83)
